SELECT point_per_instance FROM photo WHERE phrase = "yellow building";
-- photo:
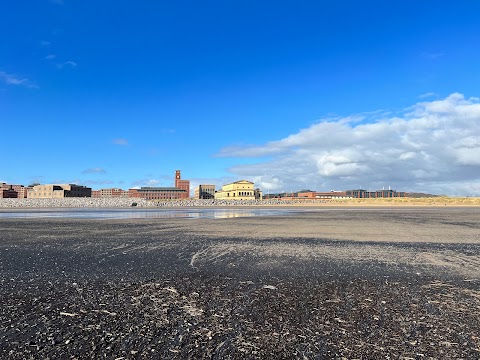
(238, 190)
(49, 191)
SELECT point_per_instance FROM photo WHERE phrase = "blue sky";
(289, 94)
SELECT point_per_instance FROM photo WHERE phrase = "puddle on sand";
(146, 213)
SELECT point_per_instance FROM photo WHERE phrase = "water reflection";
(143, 213)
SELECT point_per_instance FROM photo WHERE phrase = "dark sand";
(363, 283)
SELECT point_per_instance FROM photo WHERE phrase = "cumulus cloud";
(433, 146)
(11, 79)
(50, 57)
(96, 170)
(120, 141)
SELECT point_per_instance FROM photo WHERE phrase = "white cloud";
(50, 57)
(146, 182)
(218, 182)
(152, 182)
(432, 55)
(427, 95)
(12, 79)
(268, 183)
(71, 64)
(68, 181)
(120, 141)
(433, 146)
(96, 170)
(97, 182)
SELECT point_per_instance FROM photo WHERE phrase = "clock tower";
(182, 184)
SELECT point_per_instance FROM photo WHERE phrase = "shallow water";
(210, 213)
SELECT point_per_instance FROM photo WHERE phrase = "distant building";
(238, 190)
(59, 191)
(205, 192)
(133, 193)
(20, 189)
(180, 191)
(112, 192)
(280, 195)
(309, 194)
(331, 195)
(364, 194)
(158, 193)
(182, 184)
(7, 192)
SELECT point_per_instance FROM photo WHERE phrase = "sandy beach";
(329, 282)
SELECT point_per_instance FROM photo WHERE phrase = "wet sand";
(330, 283)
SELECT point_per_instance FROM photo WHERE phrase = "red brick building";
(330, 195)
(182, 184)
(158, 193)
(112, 192)
(21, 190)
(7, 191)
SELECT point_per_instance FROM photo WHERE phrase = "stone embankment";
(128, 202)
